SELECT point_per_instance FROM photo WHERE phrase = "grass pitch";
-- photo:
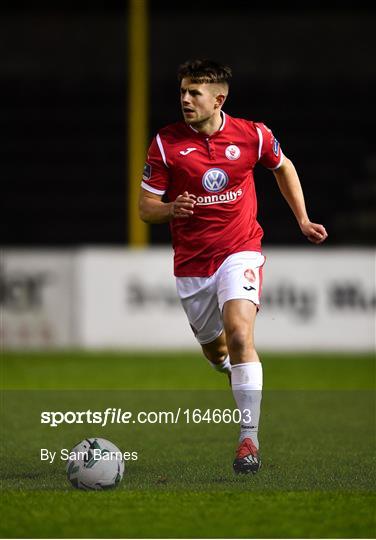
(317, 439)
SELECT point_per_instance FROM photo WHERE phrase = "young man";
(204, 167)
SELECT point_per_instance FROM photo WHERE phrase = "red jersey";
(218, 169)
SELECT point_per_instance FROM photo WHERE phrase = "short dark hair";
(204, 71)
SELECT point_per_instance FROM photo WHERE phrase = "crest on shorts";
(250, 275)
(232, 152)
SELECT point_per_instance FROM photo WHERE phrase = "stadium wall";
(313, 299)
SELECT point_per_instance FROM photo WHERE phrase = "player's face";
(198, 101)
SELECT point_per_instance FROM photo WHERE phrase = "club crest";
(250, 275)
(232, 152)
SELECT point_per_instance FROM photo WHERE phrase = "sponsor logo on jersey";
(146, 175)
(215, 180)
(275, 146)
(232, 152)
(187, 151)
(227, 197)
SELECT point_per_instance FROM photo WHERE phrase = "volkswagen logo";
(215, 180)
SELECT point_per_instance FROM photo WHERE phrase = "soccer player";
(199, 177)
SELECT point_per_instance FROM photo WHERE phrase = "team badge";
(232, 152)
(215, 180)
(146, 175)
(250, 275)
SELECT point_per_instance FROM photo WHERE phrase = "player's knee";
(239, 341)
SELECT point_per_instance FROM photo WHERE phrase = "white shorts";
(203, 298)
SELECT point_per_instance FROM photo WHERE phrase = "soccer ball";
(95, 464)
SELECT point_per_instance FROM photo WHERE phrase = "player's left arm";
(290, 187)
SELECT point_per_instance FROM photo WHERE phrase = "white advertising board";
(36, 299)
(318, 299)
(313, 299)
(128, 299)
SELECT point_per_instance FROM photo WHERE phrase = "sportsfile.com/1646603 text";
(114, 415)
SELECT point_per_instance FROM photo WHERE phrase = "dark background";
(309, 74)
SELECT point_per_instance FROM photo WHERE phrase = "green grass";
(173, 370)
(317, 435)
(189, 515)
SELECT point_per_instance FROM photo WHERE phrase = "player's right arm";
(153, 210)
(155, 182)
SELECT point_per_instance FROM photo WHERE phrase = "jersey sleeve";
(270, 154)
(156, 175)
